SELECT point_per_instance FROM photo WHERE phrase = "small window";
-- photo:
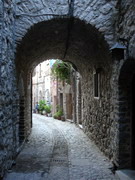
(96, 84)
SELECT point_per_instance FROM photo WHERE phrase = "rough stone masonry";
(81, 32)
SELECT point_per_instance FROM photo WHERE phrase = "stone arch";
(100, 14)
(126, 115)
(85, 47)
(52, 39)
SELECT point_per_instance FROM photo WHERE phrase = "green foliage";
(48, 108)
(42, 104)
(59, 113)
(44, 107)
(61, 70)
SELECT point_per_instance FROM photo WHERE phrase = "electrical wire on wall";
(69, 25)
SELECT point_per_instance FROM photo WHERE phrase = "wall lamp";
(118, 51)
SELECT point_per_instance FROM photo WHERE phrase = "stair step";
(125, 174)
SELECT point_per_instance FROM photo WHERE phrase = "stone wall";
(96, 113)
(125, 25)
(8, 91)
(28, 104)
(101, 14)
(102, 116)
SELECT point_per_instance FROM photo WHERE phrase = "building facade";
(54, 92)
(41, 83)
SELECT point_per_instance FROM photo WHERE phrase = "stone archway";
(127, 115)
(51, 38)
(86, 48)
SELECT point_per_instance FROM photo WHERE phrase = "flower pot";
(62, 118)
(59, 118)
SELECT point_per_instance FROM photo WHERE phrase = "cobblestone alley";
(59, 150)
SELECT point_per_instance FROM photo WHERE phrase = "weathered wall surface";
(97, 122)
(125, 24)
(100, 14)
(8, 91)
(103, 117)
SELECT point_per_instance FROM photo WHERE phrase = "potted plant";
(48, 109)
(42, 104)
(58, 114)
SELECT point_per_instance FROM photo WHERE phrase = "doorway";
(127, 115)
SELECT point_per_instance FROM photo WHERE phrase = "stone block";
(125, 174)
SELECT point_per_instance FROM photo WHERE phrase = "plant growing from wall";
(61, 71)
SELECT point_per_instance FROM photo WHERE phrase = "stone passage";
(81, 32)
(59, 150)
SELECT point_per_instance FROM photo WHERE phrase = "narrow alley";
(58, 150)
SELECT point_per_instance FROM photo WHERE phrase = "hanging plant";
(61, 71)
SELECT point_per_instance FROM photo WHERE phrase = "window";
(40, 95)
(96, 84)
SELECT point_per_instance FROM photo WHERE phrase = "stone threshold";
(70, 120)
(125, 174)
(80, 126)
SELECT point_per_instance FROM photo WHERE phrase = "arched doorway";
(127, 115)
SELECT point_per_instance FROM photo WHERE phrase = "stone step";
(125, 174)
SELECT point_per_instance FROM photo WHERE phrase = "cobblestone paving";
(59, 150)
